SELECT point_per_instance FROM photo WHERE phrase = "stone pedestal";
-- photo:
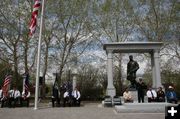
(134, 95)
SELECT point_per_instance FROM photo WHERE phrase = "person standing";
(55, 96)
(151, 94)
(141, 86)
(76, 97)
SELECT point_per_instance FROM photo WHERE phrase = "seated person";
(3, 97)
(25, 97)
(66, 98)
(55, 96)
(151, 94)
(14, 96)
(171, 95)
(1, 93)
(76, 97)
(127, 96)
(160, 95)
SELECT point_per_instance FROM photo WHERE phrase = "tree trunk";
(44, 73)
(26, 56)
(15, 66)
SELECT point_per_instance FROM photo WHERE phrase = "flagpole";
(38, 59)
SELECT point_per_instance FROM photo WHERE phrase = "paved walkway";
(88, 111)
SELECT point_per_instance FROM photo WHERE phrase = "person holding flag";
(26, 92)
(55, 93)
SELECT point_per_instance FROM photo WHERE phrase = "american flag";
(33, 22)
(6, 85)
(56, 82)
(26, 82)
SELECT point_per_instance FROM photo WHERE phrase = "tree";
(156, 20)
(71, 36)
(113, 23)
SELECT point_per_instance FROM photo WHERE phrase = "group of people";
(14, 97)
(158, 96)
(70, 98)
(152, 95)
(140, 86)
(161, 96)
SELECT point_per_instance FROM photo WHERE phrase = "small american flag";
(26, 82)
(6, 85)
(33, 22)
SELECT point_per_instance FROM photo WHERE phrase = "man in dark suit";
(55, 96)
(141, 86)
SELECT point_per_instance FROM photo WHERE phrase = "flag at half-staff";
(6, 85)
(33, 22)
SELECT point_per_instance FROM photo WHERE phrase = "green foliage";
(90, 84)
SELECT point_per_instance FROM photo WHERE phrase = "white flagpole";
(38, 58)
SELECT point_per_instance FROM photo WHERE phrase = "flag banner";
(6, 85)
(33, 22)
(56, 82)
(26, 82)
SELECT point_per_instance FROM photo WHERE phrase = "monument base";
(111, 92)
(143, 107)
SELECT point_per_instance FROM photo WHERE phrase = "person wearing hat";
(171, 95)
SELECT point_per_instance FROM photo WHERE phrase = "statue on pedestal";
(132, 67)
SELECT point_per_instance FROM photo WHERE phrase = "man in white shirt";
(3, 98)
(66, 98)
(1, 93)
(25, 97)
(76, 97)
(14, 95)
(152, 95)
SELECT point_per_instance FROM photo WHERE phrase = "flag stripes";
(33, 22)
(26, 82)
(7, 80)
(6, 85)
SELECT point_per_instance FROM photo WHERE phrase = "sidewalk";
(88, 111)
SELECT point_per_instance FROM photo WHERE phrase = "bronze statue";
(132, 67)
